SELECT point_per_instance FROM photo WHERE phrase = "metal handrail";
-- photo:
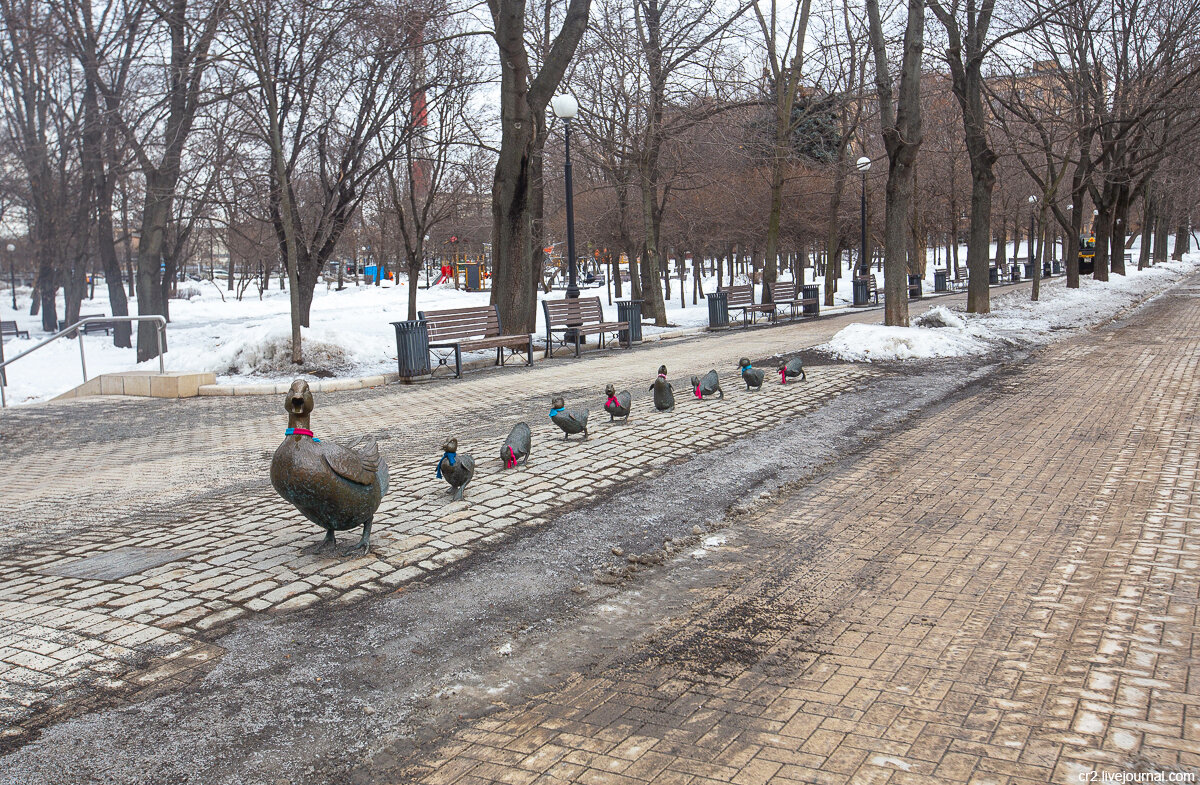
(159, 334)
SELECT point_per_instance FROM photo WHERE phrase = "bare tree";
(900, 118)
(516, 193)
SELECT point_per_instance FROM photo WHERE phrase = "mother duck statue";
(338, 488)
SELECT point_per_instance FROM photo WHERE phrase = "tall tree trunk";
(1147, 225)
(1119, 225)
(902, 139)
(1161, 236)
(523, 100)
(1182, 239)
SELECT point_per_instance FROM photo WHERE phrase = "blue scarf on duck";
(448, 456)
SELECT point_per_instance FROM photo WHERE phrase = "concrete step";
(146, 384)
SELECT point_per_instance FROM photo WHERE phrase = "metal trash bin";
(630, 311)
(1029, 270)
(862, 291)
(941, 281)
(1056, 267)
(993, 275)
(718, 309)
(412, 348)
(915, 287)
(811, 291)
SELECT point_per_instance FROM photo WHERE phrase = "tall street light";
(861, 291)
(1032, 204)
(12, 274)
(565, 108)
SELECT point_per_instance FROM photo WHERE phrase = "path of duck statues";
(340, 488)
(248, 551)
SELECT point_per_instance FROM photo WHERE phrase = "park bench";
(741, 298)
(914, 287)
(472, 329)
(570, 319)
(959, 282)
(106, 326)
(62, 324)
(789, 293)
(11, 328)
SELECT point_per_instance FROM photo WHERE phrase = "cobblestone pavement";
(136, 530)
(1013, 602)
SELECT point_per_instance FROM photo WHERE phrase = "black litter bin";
(862, 291)
(718, 309)
(1056, 267)
(940, 281)
(412, 348)
(630, 311)
(1045, 269)
(811, 291)
(993, 275)
(1016, 273)
(914, 287)
(1029, 270)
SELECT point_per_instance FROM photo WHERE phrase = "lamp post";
(1032, 202)
(565, 108)
(12, 274)
(861, 292)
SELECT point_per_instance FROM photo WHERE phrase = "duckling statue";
(516, 446)
(709, 384)
(753, 377)
(617, 404)
(791, 369)
(338, 488)
(455, 469)
(664, 397)
(571, 421)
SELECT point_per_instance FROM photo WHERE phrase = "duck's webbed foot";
(363, 546)
(327, 544)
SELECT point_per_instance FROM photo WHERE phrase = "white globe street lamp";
(566, 108)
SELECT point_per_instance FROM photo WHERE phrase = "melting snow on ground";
(1015, 320)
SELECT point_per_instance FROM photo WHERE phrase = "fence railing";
(160, 336)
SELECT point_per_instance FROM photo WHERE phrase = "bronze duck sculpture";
(455, 469)
(709, 384)
(791, 369)
(338, 488)
(617, 405)
(517, 445)
(664, 397)
(571, 421)
(753, 377)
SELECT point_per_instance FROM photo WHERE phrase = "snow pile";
(938, 316)
(267, 352)
(869, 342)
(1015, 320)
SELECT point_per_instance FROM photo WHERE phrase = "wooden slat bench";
(472, 329)
(105, 327)
(960, 279)
(741, 298)
(10, 328)
(789, 293)
(572, 318)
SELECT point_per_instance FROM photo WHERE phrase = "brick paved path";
(1014, 601)
(188, 481)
